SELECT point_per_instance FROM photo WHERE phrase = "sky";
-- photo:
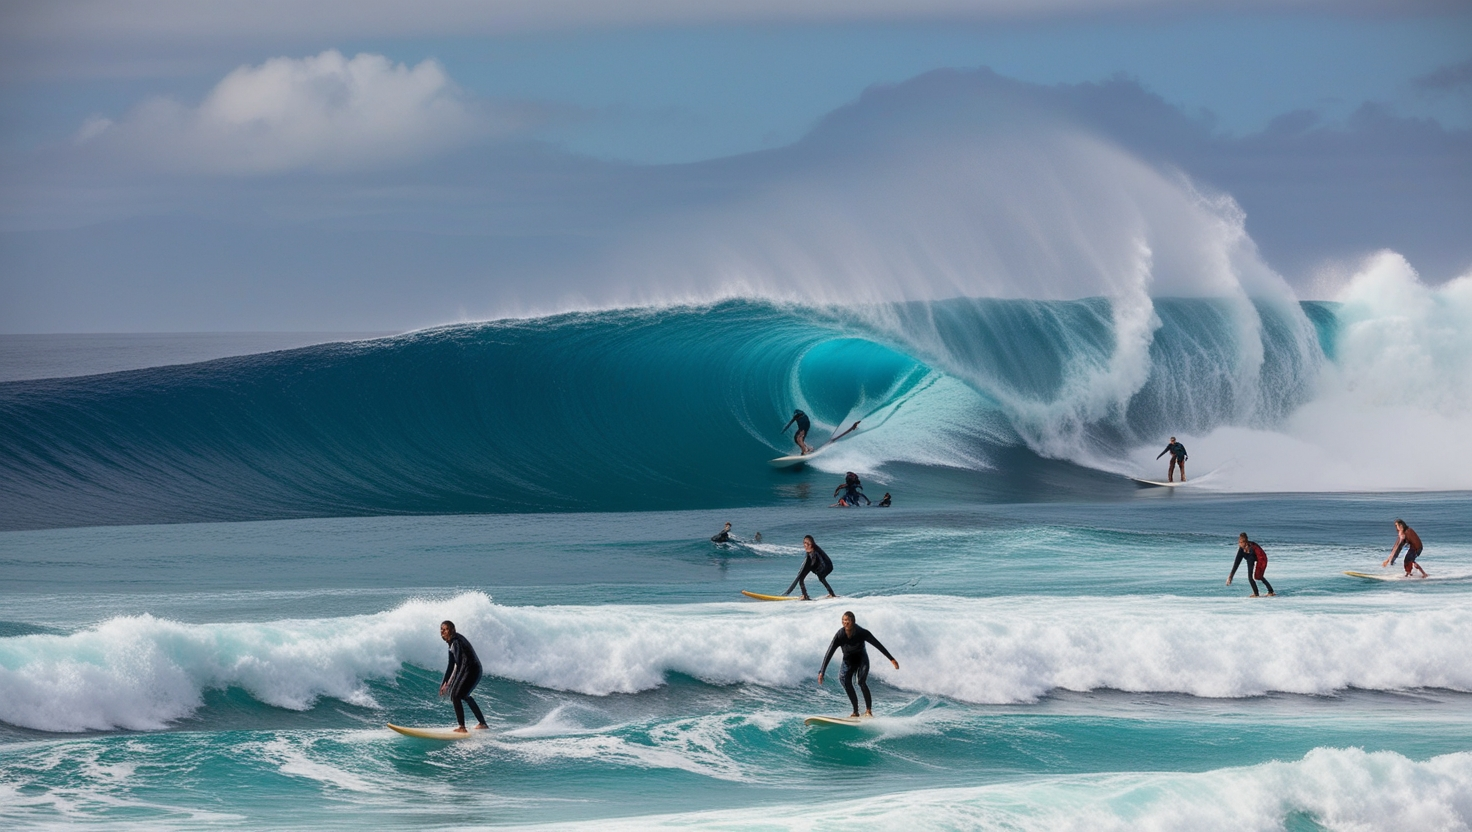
(270, 166)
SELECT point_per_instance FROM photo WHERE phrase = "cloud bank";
(324, 113)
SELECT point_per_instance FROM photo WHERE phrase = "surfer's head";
(1400, 524)
(808, 543)
(848, 622)
(447, 630)
(1242, 538)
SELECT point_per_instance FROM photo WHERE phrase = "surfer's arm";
(1162, 453)
(1395, 553)
(827, 657)
(869, 637)
(789, 424)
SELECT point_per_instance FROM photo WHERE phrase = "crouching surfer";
(803, 424)
(1412, 542)
(1257, 563)
(816, 563)
(461, 676)
(853, 492)
(851, 637)
(1178, 457)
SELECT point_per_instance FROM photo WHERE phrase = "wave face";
(142, 672)
(656, 408)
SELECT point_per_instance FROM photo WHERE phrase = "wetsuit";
(855, 662)
(884, 503)
(720, 537)
(852, 490)
(817, 563)
(1412, 542)
(462, 675)
(1257, 563)
(802, 428)
(1177, 453)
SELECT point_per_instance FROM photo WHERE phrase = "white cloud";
(325, 112)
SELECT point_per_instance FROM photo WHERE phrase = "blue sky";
(119, 116)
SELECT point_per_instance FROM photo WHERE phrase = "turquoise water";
(219, 580)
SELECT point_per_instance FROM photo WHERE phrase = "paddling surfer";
(722, 536)
(803, 424)
(461, 676)
(1257, 563)
(816, 563)
(851, 637)
(1177, 453)
(1412, 541)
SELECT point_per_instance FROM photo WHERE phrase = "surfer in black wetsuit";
(853, 491)
(1257, 563)
(855, 661)
(803, 423)
(817, 563)
(884, 503)
(1177, 453)
(722, 536)
(461, 676)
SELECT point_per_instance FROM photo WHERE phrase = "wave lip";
(144, 673)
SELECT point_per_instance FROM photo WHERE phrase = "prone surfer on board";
(803, 424)
(1177, 453)
(816, 563)
(1412, 541)
(851, 638)
(1257, 564)
(461, 676)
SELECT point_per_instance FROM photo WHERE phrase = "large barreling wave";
(661, 408)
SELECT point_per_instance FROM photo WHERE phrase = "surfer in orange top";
(1412, 541)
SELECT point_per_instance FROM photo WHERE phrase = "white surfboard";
(1156, 483)
(794, 460)
(1396, 575)
(445, 734)
(835, 721)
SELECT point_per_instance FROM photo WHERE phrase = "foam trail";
(143, 672)
(1335, 788)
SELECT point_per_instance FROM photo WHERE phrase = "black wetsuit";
(802, 421)
(462, 675)
(855, 662)
(720, 537)
(1248, 554)
(884, 503)
(852, 490)
(817, 563)
(1176, 450)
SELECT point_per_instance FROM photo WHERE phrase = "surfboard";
(446, 734)
(794, 460)
(1156, 483)
(1383, 576)
(760, 597)
(834, 721)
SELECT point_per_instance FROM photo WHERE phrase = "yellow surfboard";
(760, 597)
(446, 734)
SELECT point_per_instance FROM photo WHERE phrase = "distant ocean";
(222, 567)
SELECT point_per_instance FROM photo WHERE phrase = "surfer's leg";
(480, 718)
(459, 713)
(863, 674)
(848, 686)
(1268, 585)
(1252, 583)
(824, 580)
(798, 583)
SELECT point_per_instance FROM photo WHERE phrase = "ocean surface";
(220, 578)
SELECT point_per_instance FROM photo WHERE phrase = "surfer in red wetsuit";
(1412, 541)
(1257, 563)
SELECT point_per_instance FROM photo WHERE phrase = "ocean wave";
(1334, 788)
(144, 672)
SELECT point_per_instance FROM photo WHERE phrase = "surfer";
(722, 536)
(1177, 453)
(803, 423)
(853, 491)
(816, 563)
(1412, 541)
(884, 501)
(855, 660)
(461, 676)
(1257, 563)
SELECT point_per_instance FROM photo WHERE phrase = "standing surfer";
(855, 660)
(461, 676)
(803, 423)
(816, 563)
(1412, 541)
(1177, 453)
(1257, 563)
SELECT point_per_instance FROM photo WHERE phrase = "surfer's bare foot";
(461, 730)
(869, 714)
(1272, 594)
(482, 727)
(1254, 595)
(806, 598)
(831, 595)
(854, 715)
